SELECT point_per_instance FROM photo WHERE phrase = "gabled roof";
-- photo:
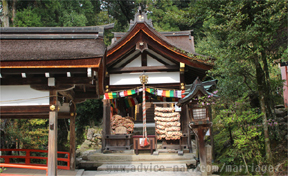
(180, 43)
(194, 88)
(181, 39)
(51, 43)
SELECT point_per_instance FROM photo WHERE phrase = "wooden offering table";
(118, 142)
(151, 147)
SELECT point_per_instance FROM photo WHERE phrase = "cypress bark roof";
(51, 43)
(17, 50)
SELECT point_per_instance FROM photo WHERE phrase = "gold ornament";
(52, 107)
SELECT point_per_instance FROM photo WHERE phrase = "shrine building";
(141, 76)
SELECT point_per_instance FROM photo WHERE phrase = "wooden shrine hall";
(169, 62)
(45, 71)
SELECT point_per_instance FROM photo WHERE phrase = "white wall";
(135, 63)
(153, 62)
(153, 78)
(22, 95)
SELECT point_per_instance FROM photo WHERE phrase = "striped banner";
(158, 92)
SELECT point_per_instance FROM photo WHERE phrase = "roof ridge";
(57, 30)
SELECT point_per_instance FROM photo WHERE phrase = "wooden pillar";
(52, 138)
(72, 143)
(211, 115)
(208, 149)
(144, 58)
(106, 121)
(202, 150)
(188, 129)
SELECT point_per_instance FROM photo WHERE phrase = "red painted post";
(27, 159)
(284, 73)
(7, 160)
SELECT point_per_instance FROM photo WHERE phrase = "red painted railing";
(28, 158)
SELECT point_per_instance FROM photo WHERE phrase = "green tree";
(163, 14)
(245, 143)
(89, 113)
(121, 12)
(245, 37)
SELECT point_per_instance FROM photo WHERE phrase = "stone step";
(145, 167)
(119, 157)
(95, 164)
(142, 173)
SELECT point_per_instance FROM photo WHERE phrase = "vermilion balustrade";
(28, 158)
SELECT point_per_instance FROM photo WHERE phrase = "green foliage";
(28, 134)
(120, 11)
(27, 17)
(239, 130)
(165, 13)
(89, 113)
(2, 169)
(245, 38)
(57, 13)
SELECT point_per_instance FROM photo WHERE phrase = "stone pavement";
(143, 173)
(81, 172)
(35, 172)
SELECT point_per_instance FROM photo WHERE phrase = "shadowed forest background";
(246, 40)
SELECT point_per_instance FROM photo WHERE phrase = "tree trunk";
(230, 135)
(5, 13)
(262, 88)
(13, 12)
(269, 101)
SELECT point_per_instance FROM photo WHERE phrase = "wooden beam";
(69, 94)
(42, 71)
(74, 63)
(122, 50)
(100, 78)
(62, 115)
(179, 58)
(144, 59)
(86, 95)
(72, 143)
(44, 81)
(52, 138)
(144, 68)
(122, 57)
(22, 110)
(165, 86)
(58, 87)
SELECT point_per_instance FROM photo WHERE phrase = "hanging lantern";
(198, 113)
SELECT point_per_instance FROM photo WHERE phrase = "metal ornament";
(52, 107)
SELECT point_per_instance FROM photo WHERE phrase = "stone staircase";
(128, 161)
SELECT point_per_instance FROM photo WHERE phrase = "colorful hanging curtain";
(153, 91)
